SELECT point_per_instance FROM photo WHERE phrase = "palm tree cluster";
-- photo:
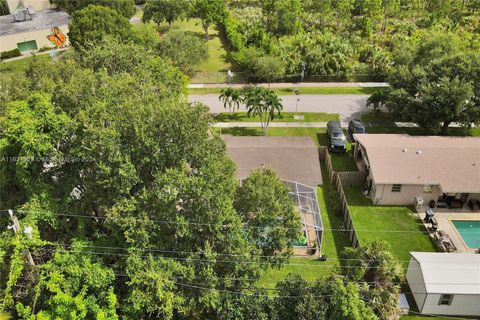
(259, 101)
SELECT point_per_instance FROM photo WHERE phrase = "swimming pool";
(469, 230)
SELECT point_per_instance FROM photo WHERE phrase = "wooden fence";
(352, 178)
(338, 180)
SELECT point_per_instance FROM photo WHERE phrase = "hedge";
(10, 54)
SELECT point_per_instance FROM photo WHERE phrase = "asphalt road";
(348, 106)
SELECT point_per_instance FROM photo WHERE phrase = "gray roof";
(46, 19)
(451, 162)
(454, 273)
(293, 158)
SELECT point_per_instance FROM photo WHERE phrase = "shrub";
(234, 37)
(10, 54)
(45, 48)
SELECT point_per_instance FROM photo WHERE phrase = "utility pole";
(16, 229)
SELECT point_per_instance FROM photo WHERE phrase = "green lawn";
(284, 117)
(374, 222)
(340, 162)
(302, 90)
(20, 65)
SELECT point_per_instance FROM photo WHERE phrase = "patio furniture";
(474, 205)
(443, 241)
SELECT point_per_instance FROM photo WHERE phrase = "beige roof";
(451, 162)
(293, 158)
(454, 273)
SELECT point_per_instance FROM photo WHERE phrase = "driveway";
(348, 106)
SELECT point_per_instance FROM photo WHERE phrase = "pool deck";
(444, 220)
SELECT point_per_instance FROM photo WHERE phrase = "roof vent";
(405, 150)
(419, 151)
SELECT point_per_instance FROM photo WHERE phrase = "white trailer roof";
(450, 273)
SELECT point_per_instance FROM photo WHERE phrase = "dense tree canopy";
(436, 83)
(125, 7)
(164, 10)
(185, 50)
(93, 23)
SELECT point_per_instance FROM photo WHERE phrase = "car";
(336, 139)
(356, 126)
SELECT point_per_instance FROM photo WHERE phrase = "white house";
(445, 283)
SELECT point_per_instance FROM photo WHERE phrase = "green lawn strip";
(284, 117)
(378, 222)
(291, 91)
(340, 162)
(20, 65)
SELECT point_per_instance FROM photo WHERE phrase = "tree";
(310, 300)
(437, 84)
(185, 50)
(377, 268)
(282, 16)
(346, 302)
(73, 285)
(231, 98)
(264, 204)
(125, 7)
(91, 24)
(208, 11)
(264, 103)
(164, 10)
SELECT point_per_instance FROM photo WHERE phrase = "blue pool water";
(469, 230)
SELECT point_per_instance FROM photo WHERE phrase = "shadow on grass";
(242, 131)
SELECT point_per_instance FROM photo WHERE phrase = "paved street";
(348, 106)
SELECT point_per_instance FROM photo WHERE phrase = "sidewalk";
(292, 84)
(273, 125)
(306, 125)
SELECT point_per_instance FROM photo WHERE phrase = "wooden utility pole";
(17, 229)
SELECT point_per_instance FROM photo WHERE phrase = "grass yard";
(20, 65)
(302, 90)
(284, 117)
(378, 222)
(340, 162)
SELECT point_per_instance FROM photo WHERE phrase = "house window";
(427, 188)
(445, 299)
(396, 188)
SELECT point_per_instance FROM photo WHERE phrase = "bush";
(45, 48)
(11, 54)
(234, 37)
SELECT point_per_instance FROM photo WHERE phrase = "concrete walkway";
(272, 125)
(292, 84)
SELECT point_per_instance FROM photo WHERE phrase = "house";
(296, 161)
(35, 32)
(404, 170)
(293, 158)
(445, 283)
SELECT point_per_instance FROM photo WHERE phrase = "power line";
(226, 261)
(253, 227)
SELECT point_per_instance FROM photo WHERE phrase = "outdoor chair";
(31, 11)
(474, 205)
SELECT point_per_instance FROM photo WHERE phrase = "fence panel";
(353, 178)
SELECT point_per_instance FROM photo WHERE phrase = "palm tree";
(231, 98)
(265, 104)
